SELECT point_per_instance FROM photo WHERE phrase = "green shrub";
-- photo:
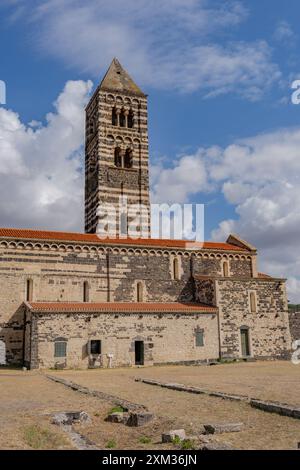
(176, 440)
(111, 444)
(117, 409)
(145, 440)
(187, 444)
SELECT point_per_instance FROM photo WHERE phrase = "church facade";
(72, 300)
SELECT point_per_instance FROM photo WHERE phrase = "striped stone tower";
(116, 152)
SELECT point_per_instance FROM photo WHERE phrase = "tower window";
(114, 118)
(175, 269)
(130, 119)
(122, 118)
(29, 290)
(86, 289)
(253, 302)
(118, 157)
(225, 268)
(128, 160)
(139, 292)
(60, 347)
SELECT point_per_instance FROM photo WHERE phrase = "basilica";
(77, 300)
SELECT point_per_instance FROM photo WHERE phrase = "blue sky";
(222, 127)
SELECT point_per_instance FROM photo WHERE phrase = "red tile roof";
(93, 238)
(264, 276)
(115, 307)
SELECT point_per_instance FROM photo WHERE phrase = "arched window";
(29, 290)
(86, 291)
(252, 302)
(122, 118)
(130, 119)
(60, 347)
(123, 224)
(118, 157)
(139, 292)
(175, 269)
(128, 159)
(114, 117)
(225, 269)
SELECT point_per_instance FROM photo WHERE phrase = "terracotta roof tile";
(111, 307)
(264, 276)
(94, 239)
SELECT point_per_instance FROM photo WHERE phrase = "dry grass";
(39, 438)
(268, 380)
(28, 399)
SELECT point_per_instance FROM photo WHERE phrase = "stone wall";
(168, 337)
(268, 326)
(59, 270)
(294, 320)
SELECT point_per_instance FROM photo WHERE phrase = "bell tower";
(116, 149)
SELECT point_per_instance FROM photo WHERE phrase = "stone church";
(75, 300)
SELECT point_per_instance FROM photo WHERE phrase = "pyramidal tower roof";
(117, 79)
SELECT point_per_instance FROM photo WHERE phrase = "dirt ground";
(29, 398)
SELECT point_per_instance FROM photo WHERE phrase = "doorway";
(139, 353)
(245, 342)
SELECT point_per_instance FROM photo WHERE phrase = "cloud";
(260, 176)
(176, 184)
(284, 32)
(41, 177)
(178, 45)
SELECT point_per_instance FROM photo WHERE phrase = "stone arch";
(110, 139)
(110, 98)
(119, 140)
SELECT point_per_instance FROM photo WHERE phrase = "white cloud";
(284, 32)
(168, 44)
(176, 184)
(261, 177)
(41, 178)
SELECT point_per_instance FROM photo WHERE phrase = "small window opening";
(225, 269)
(29, 290)
(86, 292)
(139, 292)
(175, 269)
(252, 302)
(60, 347)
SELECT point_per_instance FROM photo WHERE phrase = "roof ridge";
(94, 238)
